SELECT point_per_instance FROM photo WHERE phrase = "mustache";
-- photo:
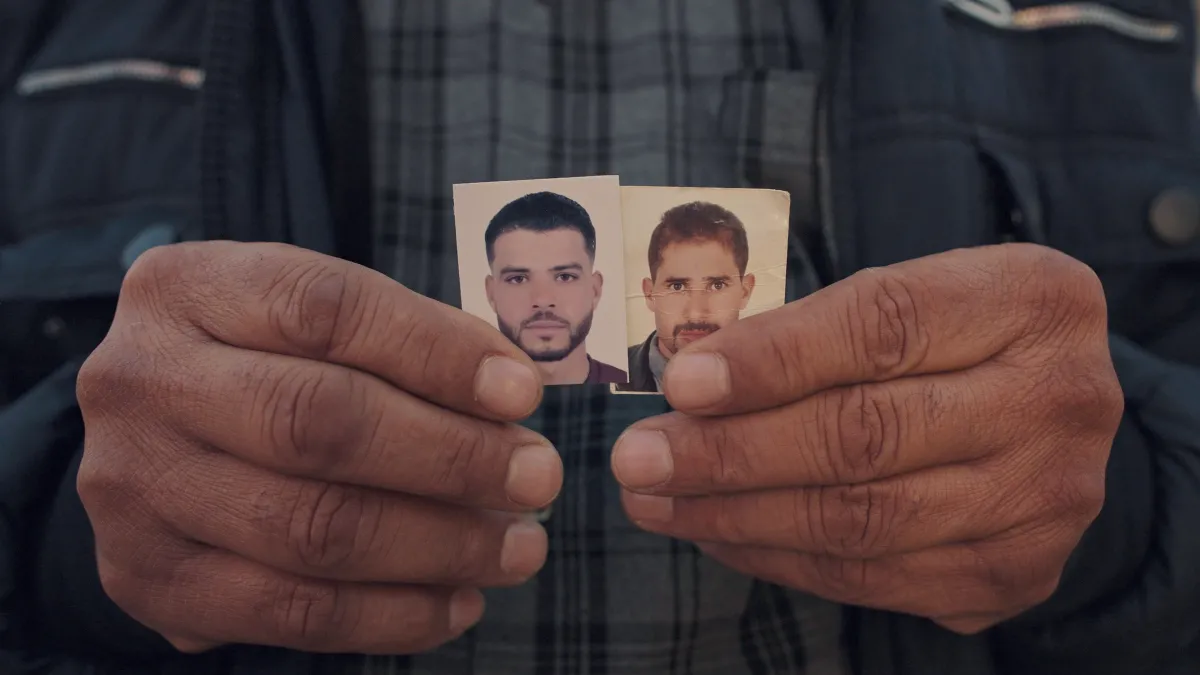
(696, 327)
(545, 316)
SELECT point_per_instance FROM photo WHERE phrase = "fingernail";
(534, 476)
(506, 387)
(649, 508)
(642, 459)
(697, 380)
(466, 609)
(524, 548)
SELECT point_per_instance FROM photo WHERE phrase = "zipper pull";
(1000, 14)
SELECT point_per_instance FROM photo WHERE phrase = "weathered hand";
(928, 438)
(286, 449)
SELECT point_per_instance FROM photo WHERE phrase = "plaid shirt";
(661, 92)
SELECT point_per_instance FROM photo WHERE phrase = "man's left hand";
(928, 438)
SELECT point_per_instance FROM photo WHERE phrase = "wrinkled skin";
(286, 449)
(929, 438)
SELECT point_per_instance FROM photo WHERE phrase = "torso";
(723, 100)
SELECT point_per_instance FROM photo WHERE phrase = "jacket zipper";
(97, 72)
(824, 137)
(1000, 14)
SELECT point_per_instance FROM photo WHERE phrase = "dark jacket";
(937, 131)
(641, 377)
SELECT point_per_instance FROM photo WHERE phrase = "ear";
(747, 289)
(597, 289)
(648, 292)
(489, 287)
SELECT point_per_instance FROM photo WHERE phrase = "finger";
(285, 300)
(939, 313)
(331, 423)
(839, 436)
(345, 533)
(213, 597)
(945, 582)
(870, 520)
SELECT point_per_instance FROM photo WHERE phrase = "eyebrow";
(684, 280)
(568, 267)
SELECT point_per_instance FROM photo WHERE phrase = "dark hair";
(541, 212)
(699, 221)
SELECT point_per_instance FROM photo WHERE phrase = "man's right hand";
(286, 449)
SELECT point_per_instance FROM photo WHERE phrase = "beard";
(577, 335)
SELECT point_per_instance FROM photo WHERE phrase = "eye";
(516, 279)
(676, 286)
(719, 285)
(567, 277)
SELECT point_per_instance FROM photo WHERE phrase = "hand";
(928, 438)
(286, 449)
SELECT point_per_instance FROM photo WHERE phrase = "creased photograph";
(696, 260)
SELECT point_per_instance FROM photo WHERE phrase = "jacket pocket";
(1132, 214)
(68, 153)
(766, 117)
(101, 108)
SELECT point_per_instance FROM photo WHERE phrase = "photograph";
(696, 260)
(543, 262)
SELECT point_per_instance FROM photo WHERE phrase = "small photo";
(543, 262)
(697, 260)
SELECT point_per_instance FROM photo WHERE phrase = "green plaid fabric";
(661, 92)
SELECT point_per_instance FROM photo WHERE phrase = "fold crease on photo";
(696, 261)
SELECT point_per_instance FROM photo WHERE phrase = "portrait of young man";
(544, 288)
(698, 284)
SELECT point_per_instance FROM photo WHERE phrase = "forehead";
(697, 259)
(527, 248)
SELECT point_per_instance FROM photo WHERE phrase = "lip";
(545, 325)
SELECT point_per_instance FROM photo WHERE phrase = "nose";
(697, 305)
(541, 295)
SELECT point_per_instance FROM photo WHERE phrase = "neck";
(571, 370)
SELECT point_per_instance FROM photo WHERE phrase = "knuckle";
(1041, 591)
(458, 470)
(729, 523)
(1060, 294)
(312, 416)
(1074, 498)
(307, 302)
(134, 577)
(112, 376)
(157, 268)
(470, 555)
(858, 521)
(782, 349)
(884, 324)
(124, 588)
(845, 580)
(1089, 395)
(311, 613)
(114, 481)
(326, 524)
(725, 444)
(865, 428)
(1009, 579)
(100, 483)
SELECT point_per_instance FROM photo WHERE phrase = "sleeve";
(1130, 593)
